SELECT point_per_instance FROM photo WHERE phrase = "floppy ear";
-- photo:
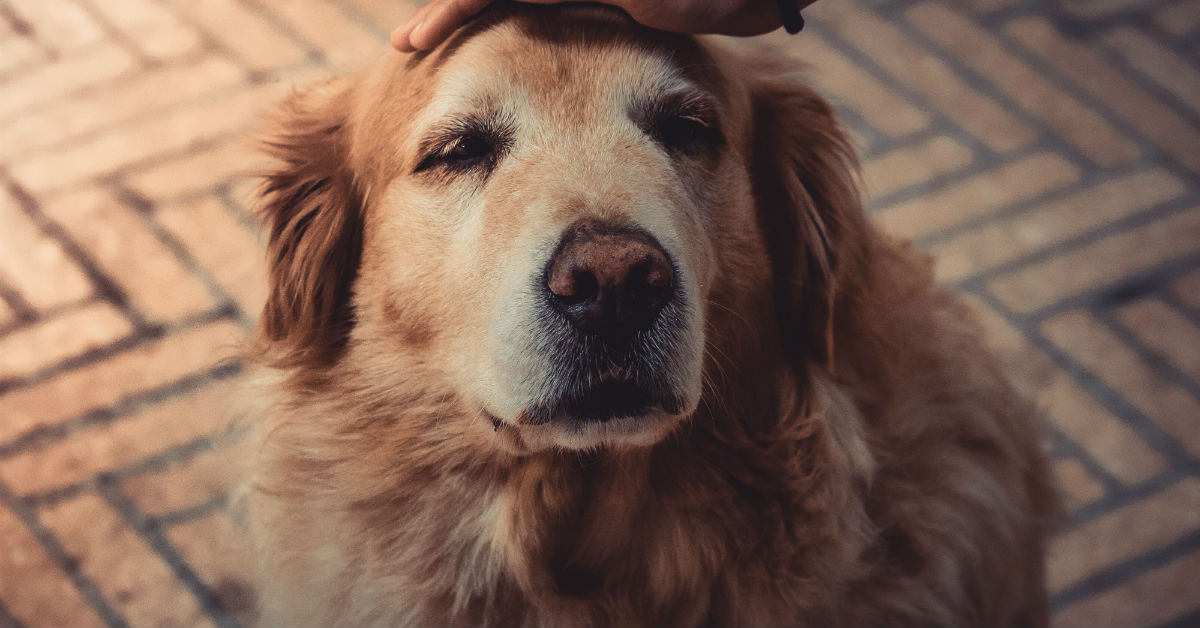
(805, 181)
(312, 211)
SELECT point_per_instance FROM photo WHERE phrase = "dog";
(576, 323)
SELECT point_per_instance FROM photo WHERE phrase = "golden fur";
(845, 452)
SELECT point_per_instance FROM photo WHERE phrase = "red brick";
(1166, 68)
(62, 24)
(227, 249)
(34, 264)
(135, 580)
(1101, 8)
(1153, 598)
(983, 193)
(153, 364)
(129, 102)
(124, 442)
(7, 316)
(118, 239)
(904, 167)
(157, 33)
(1078, 486)
(1161, 401)
(1187, 288)
(1079, 125)
(1174, 135)
(69, 334)
(1166, 332)
(253, 39)
(852, 87)
(1100, 263)
(1078, 213)
(1179, 18)
(16, 51)
(164, 133)
(220, 555)
(1109, 442)
(199, 170)
(1143, 526)
(345, 44)
(899, 56)
(96, 65)
(206, 476)
(387, 15)
(34, 589)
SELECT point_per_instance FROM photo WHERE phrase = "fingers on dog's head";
(312, 211)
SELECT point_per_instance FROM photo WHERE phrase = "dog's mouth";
(609, 399)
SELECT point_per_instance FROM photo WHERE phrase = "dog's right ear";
(312, 210)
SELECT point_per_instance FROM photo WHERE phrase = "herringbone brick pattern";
(1047, 151)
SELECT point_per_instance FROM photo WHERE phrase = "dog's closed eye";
(681, 124)
(467, 145)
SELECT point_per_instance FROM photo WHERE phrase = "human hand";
(435, 21)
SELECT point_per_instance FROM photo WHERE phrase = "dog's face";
(538, 214)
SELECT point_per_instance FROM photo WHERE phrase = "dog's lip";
(612, 398)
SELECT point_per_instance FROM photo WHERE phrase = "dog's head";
(566, 219)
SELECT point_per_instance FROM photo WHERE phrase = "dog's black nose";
(609, 279)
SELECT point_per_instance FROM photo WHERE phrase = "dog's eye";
(470, 148)
(681, 131)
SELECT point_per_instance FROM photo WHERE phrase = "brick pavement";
(1047, 151)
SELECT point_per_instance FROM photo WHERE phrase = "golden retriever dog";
(575, 323)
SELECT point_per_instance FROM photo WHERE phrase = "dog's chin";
(619, 431)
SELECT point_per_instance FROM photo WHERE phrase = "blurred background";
(1046, 151)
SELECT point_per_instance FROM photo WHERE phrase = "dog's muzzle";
(611, 314)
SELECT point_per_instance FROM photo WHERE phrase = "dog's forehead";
(563, 58)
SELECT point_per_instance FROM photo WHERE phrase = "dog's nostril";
(608, 278)
(574, 286)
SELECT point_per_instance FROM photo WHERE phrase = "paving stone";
(133, 578)
(247, 34)
(226, 248)
(131, 101)
(1160, 399)
(65, 75)
(979, 195)
(1172, 587)
(1093, 265)
(63, 24)
(1070, 408)
(1167, 332)
(1179, 19)
(219, 554)
(120, 241)
(127, 440)
(34, 589)
(1164, 67)
(150, 365)
(851, 86)
(210, 474)
(1046, 225)
(196, 171)
(163, 134)
(905, 167)
(69, 334)
(1142, 526)
(1078, 124)
(1166, 128)
(34, 264)
(157, 33)
(899, 56)
(1079, 487)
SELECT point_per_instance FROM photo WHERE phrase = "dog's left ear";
(312, 209)
(804, 174)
